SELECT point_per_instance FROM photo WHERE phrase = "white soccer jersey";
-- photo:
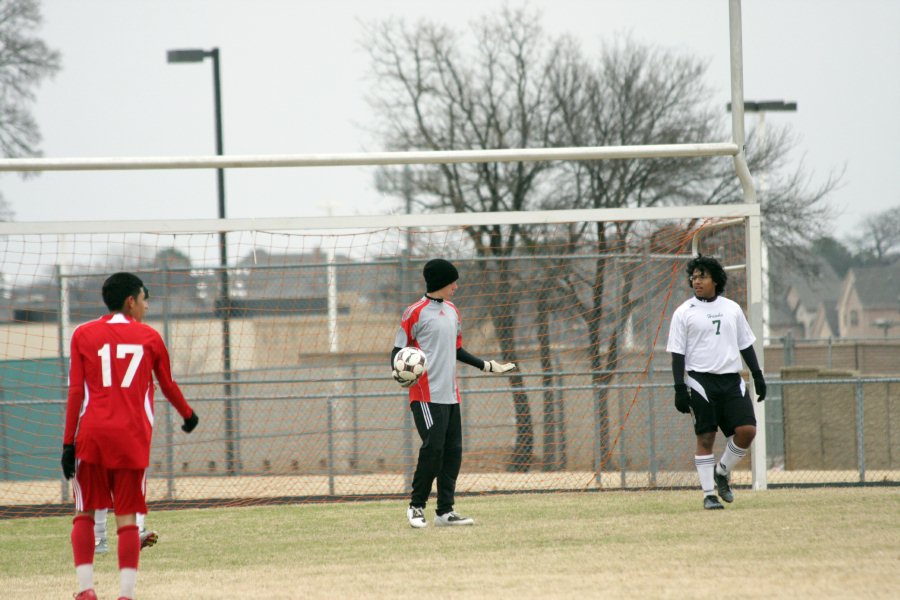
(435, 328)
(710, 335)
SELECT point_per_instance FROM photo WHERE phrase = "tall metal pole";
(406, 291)
(753, 242)
(225, 299)
(758, 278)
(737, 100)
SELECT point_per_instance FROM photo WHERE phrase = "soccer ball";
(409, 364)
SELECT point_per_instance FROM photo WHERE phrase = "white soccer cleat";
(451, 519)
(416, 517)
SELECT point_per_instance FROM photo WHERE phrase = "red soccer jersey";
(110, 404)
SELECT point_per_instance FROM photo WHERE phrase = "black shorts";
(719, 402)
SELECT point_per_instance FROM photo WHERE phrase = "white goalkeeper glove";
(492, 366)
(404, 383)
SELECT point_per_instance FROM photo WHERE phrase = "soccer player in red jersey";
(109, 424)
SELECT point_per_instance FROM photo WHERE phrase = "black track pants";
(440, 427)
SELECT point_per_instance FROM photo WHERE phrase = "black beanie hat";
(439, 273)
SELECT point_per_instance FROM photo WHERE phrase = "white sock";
(100, 523)
(85, 575)
(140, 521)
(127, 581)
(730, 457)
(705, 466)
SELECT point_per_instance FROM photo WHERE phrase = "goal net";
(285, 351)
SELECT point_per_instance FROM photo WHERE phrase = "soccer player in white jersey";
(433, 325)
(707, 338)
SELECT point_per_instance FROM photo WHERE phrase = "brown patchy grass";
(787, 543)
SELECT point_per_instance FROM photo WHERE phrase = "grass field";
(788, 543)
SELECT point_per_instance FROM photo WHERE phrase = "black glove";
(68, 461)
(682, 398)
(190, 423)
(760, 385)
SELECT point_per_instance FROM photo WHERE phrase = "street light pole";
(224, 302)
(761, 108)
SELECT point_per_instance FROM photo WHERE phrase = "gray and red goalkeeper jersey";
(435, 328)
(109, 412)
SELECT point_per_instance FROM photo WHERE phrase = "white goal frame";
(734, 148)
(746, 215)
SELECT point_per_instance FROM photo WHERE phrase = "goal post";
(307, 408)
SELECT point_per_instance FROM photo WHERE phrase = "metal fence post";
(62, 327)
(330, 407)
(168, 429)
(623, 453)
(788, 348)
(860, 441)
(598, 459)
(651, 427)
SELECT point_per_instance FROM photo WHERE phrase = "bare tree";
(519, 88)
(637, 94)
(879, 238)
(25, 60)
(431, 95)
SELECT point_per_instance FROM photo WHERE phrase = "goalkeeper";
(433, 325)
(707, 338)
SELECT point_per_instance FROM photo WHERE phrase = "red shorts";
(95, 486)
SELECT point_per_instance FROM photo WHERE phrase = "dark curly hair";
(709, 265)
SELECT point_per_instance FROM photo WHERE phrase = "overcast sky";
(294, 82)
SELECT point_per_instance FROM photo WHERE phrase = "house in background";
(869, 302)
(813, 303)
(803, 304)
(818, 305)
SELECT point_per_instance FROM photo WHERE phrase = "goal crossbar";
(363, 222)
(369, 158)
